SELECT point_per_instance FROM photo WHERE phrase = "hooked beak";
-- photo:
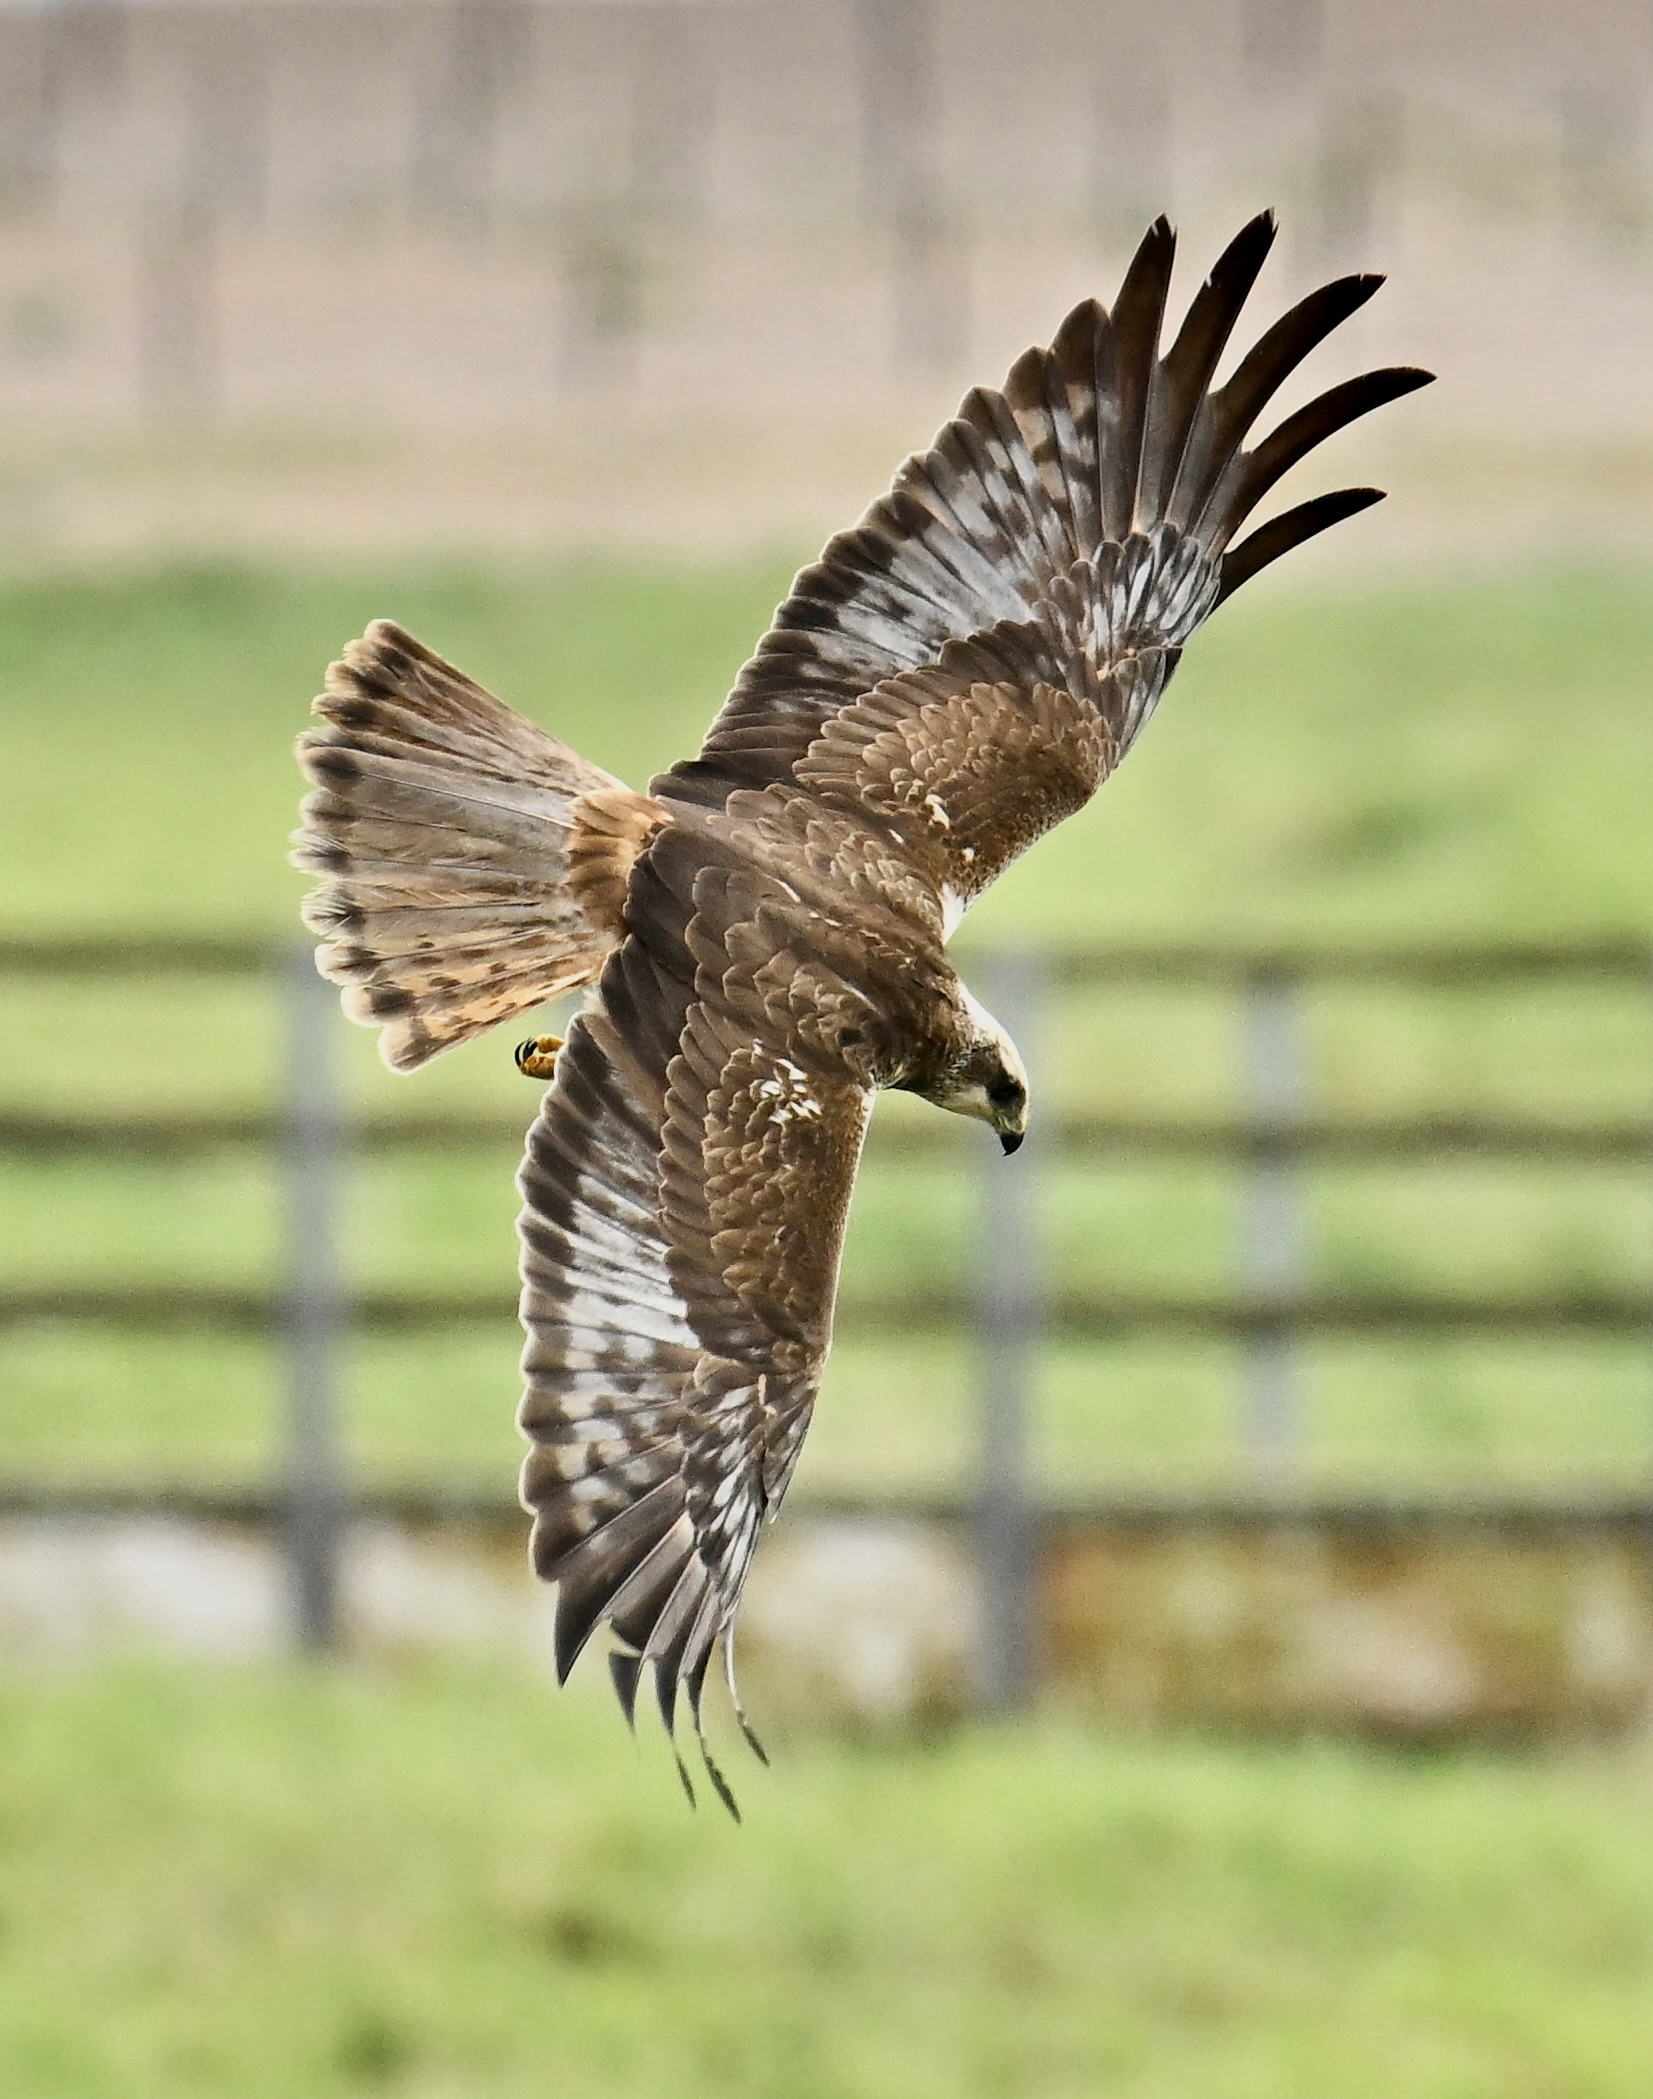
(1011, 1140)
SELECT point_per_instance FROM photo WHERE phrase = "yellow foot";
(537, 1058)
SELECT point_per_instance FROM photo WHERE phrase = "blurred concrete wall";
(1417, 1625)
(665, 269)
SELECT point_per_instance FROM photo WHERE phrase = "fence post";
(1131, 147)
(313, 1132)
(903, 192)
(1272, 1251)
(1009, 1321)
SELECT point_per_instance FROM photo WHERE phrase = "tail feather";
(471, 866)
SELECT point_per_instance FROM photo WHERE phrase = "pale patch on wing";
(612, 1368)
(1078, 520)
(760, 1159)
(680, 1253)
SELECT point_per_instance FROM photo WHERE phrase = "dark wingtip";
(743, 1723)
(1233, 408)
(1152, 262)
(577, 1619)
(625, 1670)
(1188, 366)
(1290, 529)
(694, 1684)
(1251, 243)
(720, 1785)
(665, 1694)
(684, 1779)
(1138, 316)
(1074, 343)
(1253, 474)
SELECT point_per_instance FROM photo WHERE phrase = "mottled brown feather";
(954, 676)
(609, 827)
(678, 1290)
(470, 865)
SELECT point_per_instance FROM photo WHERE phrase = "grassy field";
(1410, 764)
(450, 1883)
(449, 1886)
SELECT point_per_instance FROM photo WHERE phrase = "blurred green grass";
(1470, 756)
(1468, 760)
(445, 1882)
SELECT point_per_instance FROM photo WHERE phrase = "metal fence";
(1010, 1304)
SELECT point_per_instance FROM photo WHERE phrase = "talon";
(537, 1057)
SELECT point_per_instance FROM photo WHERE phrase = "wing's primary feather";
(685, 1191)
(1078, 521)
(952, 677)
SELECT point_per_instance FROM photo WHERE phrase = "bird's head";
(986, 1080)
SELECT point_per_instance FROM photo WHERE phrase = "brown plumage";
(471, 865)
(767, 926)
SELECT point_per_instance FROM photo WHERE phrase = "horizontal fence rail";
(1448, 964)
(418, 1503)
(1343, 1141)
(1070, 1315)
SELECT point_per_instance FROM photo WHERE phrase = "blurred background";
(1209, 1646)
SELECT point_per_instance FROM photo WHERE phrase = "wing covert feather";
(1067, 527)
(685, 1190)
(955, 675)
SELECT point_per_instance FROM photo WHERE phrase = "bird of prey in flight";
(765, 930)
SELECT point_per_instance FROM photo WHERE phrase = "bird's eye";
(1004, 1093)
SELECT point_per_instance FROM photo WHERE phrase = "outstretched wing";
(949, 680)
(685, 1190)
(977, 654)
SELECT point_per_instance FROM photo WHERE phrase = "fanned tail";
(471, 866)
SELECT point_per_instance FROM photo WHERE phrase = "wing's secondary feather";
(952, 677)
(1074, 520)
(685, 1189)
